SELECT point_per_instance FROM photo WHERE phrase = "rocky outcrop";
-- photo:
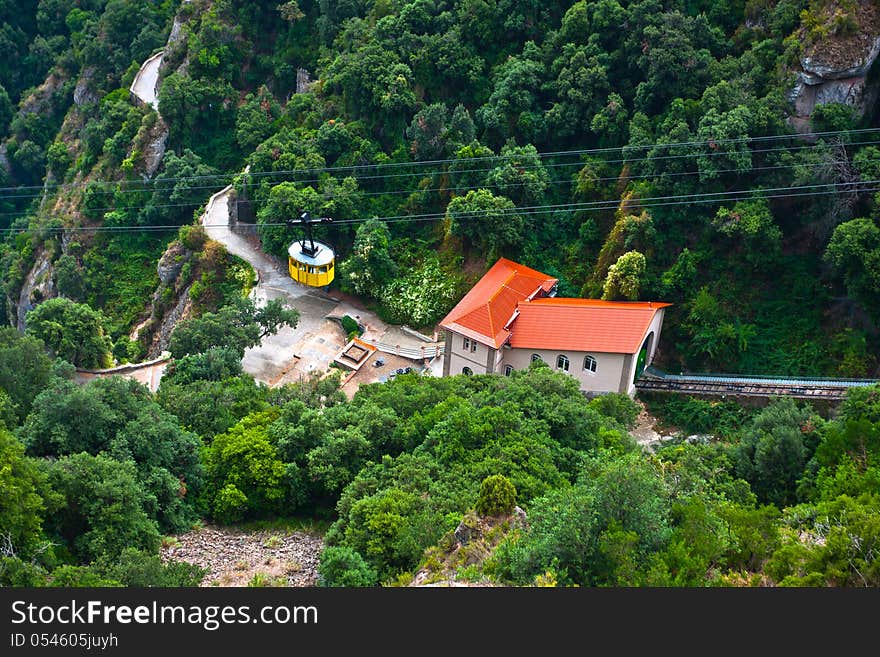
(468, 547)
(40, 100)
(171, 263)
(162, 333)
(154, 147)
(83, 94)
(836, 70)
(38, 286)
(170, 303)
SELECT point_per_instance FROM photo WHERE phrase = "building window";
(473, 345)
(562, 362)
(589, 364)
(535, 357)
(508, 370)
(467, 371)
(466, 343)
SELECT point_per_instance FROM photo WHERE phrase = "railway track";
(696, 384)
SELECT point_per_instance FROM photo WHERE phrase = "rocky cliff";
(835, 65)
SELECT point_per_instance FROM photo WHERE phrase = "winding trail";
(145, 85)
(291, 353)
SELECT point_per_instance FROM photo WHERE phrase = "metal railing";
(414, 353)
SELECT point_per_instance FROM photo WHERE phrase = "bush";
(342, 566)
(350, 326)
(497, 496)
(618, 406)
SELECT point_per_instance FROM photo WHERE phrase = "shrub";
(497, 496)
(342, 566)
(350, 326)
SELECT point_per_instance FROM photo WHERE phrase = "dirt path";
(236, 558)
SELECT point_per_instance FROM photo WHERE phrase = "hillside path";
(145, 83)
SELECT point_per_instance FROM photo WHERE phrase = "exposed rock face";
(468, 530)
(38, 286)
(83, 93)
(836, 70)
(40, 100)
(154, 150)
(176, 32)
(162, 335)
(171, 263)
(303, 81)
(4, 158)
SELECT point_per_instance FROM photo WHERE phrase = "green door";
(640, 363)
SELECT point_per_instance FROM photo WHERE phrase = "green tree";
(255, 118)
(513, 108)
(104, 505)
(178, 191)
(72, 331)
(497, 496)
(625, 277)
(772, 452)
(22, 487)
(489, 222)
(854, 252)
(520, 175)
(841, 547)
(236, 326)
(580, 88)
(118, 418)
(25, 369)
(208, 407)
(215, 364)
(136, 568)
(342, 566)
(592, 533)
(750, 225)
(370, 266)
(244, 473)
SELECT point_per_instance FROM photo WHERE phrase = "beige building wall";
(614, 372)
(606, 378)
(459, 357)
(654, 327)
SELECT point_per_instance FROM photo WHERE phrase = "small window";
(473, 345)
(466, 343)
(535, 357)
(508, 370)
(589, 364)
(467, 371)
(562, 362)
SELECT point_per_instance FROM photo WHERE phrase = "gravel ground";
(235, 558)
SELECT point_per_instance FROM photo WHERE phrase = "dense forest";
(702, 153)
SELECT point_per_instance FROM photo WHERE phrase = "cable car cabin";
(312, 265)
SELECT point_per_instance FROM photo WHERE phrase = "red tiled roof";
(484, 311)
(583, 324)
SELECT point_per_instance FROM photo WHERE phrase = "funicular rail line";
(696, 384)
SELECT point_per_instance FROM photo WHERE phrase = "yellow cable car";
(309, 262)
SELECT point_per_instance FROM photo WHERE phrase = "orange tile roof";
(583, 324)
(487, 308)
